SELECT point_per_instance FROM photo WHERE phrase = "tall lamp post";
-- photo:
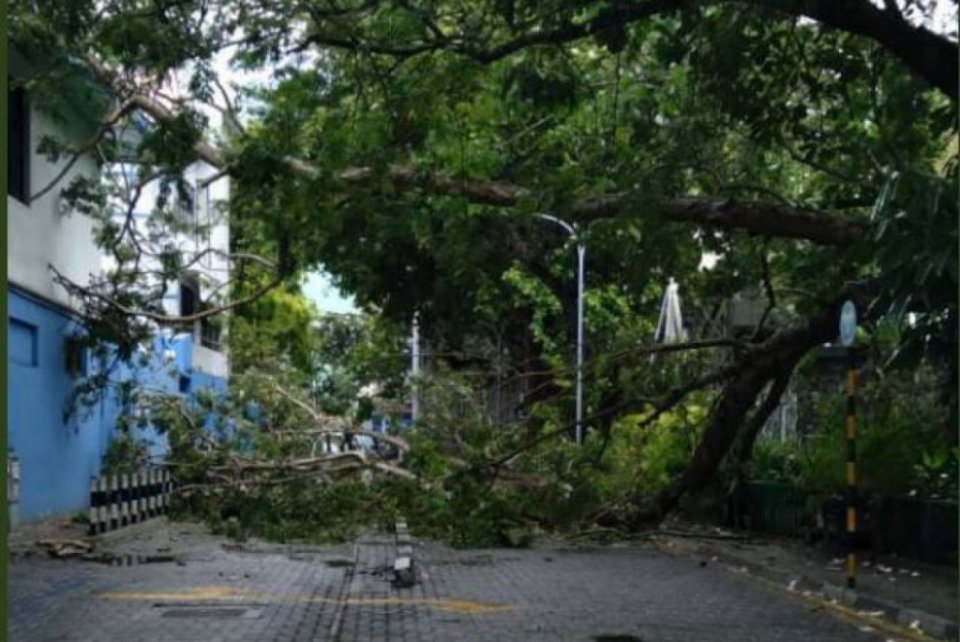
(581, 260)
(415, 367)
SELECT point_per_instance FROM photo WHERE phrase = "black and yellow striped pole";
(850, 433)
(848, 328)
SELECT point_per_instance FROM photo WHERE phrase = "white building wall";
(211, 197)
(44, 233)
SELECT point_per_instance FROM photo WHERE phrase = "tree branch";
(929, 55)
(85, 147)
(768, 286)
(759, 418)
(774, 359)
(92, 293)
(323, 421)
(768, 219)
(762, 218)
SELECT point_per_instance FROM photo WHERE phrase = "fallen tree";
(137, 79)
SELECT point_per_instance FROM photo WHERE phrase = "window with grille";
(189, 296)
(18, 145)
(210, 333)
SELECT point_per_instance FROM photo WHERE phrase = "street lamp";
(581, 260)
(415, 367)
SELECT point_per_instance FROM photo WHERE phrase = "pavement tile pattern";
(345, 594)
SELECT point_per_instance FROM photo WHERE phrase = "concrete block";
(404, 573)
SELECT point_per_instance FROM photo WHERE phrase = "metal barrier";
(13, 489)
(120, 500)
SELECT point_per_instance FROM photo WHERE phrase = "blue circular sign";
(848, 323)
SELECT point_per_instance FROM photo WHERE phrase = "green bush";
(125, 454)
(303, 511)
(901, 446)
(778, 462)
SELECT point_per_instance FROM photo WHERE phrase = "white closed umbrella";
(670, 324)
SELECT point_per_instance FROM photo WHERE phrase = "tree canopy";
(404, 146)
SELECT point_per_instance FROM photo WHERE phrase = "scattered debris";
(404, 575)
(717, 534)
(132, 560)
(339, 563)
(65, 547)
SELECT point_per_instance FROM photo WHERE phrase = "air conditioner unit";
(744, 310)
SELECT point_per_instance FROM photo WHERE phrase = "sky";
(318, 285)
(326, 296)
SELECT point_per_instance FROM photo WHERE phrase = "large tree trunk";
(773, 360)
(743, 449)
(759, 418)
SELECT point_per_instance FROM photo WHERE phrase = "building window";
(18, 145)
(186, 199)
(189, 295)
(22, 343)
(75, 354)
(210, 333)
(209, 328)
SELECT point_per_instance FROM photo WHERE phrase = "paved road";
(281, 594)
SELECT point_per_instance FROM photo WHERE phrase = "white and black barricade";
(13, 489)
(120, 500)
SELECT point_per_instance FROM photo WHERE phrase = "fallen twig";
(65, 547)
(695, 535)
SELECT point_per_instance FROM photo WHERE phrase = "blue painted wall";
(58, 455)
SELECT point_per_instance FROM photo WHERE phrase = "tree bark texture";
(773, 360)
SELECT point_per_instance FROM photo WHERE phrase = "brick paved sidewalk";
(343, 593)
(908, 591)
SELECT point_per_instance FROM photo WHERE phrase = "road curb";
(404, 570)
(929, 623)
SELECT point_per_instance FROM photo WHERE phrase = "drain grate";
(617, 638)
(131, 560)
(214, 612)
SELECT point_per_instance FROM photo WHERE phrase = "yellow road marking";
(840, 611)
(199, 593)
(229, 593)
